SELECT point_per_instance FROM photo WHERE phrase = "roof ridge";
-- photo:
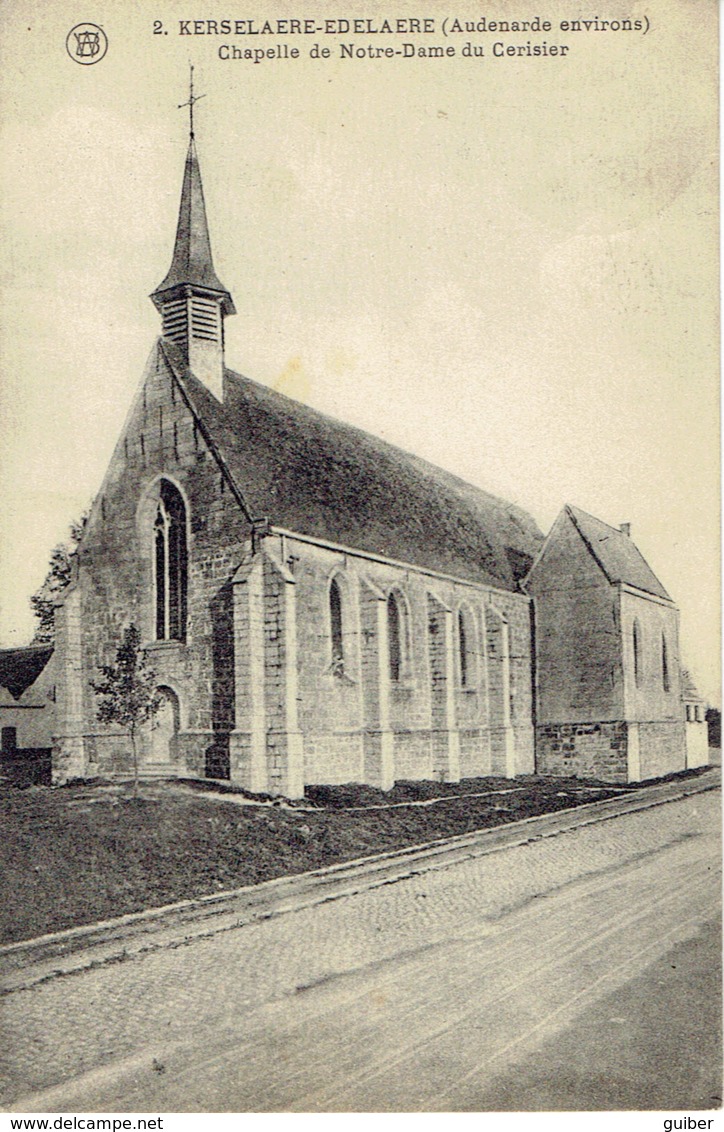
(622, 561)
(168, 349)
(588, 515)
(572, 512)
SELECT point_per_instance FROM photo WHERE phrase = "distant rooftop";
(19, 668)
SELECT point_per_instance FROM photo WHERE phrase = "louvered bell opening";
(175, 321)
(205, 320)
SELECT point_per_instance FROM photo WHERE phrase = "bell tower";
(192, 301)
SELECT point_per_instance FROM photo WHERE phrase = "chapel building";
(319, 606)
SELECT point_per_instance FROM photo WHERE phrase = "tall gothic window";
(466, 649)
(335, 621)
(397, 636)
(394, 637)
(463, 649)
(665, 673)
(636, 636)
(170, 564)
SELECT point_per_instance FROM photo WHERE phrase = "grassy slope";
(82, 853)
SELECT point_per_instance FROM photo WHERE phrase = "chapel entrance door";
(164, 732)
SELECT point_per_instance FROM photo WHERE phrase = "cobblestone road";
(167, 1007)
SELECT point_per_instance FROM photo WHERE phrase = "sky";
(505, 265)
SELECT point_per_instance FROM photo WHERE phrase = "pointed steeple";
(192, 264)
(193, 302)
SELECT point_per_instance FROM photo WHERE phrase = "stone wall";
(647, 695)
(577, 634)
(593, 750)
(697, 743)
(604, 709)
(115, 587)
(418, 725)
(262, 698)
(333, 758)
(662, 747)
(613, 752)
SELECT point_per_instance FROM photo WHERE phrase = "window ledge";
(163, 646)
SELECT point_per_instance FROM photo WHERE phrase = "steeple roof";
(192, 264)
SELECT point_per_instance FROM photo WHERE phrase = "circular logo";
(86, 44)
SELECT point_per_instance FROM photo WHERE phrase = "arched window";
(636, 636)
(170, 564)
(466, 649)
(397, 636)
(665, 674)
(335, 623)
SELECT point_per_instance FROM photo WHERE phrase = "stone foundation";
(612, 751)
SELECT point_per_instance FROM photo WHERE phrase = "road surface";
(577, 971)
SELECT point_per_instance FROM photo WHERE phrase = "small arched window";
(637, 660)
(170, 564)
(397, 636)
(665, 673)
(466, 649)
(335, 622)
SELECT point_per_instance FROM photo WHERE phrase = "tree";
(59, 575)
(127, 692)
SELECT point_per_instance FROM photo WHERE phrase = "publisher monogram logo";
(86, 43)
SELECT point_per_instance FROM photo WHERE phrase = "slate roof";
(192, 263)
(19, 668)
(619, 558)
(314, 475)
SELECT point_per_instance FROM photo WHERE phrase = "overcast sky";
(507, 266)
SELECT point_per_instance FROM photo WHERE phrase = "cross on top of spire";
(192, 98)
(192, 265)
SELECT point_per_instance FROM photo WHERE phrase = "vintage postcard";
(360, 568)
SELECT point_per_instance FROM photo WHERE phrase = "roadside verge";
(32, 961)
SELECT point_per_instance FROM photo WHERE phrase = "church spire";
(191, 299)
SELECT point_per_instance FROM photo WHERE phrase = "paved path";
(422, 994)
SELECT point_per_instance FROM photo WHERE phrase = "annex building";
(321, 607)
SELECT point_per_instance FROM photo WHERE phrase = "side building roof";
(19, 668)
(618, 556)
(317, 476)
